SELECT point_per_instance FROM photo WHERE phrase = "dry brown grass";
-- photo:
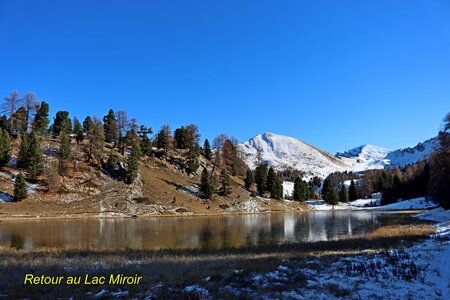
(180, 267)
(402, 230)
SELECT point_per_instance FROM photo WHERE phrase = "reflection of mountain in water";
(191, 232)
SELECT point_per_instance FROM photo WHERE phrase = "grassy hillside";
(162, 188)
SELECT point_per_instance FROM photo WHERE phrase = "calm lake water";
(194, 232)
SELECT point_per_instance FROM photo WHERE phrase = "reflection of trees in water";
(225, 237)
(16, 241)
(206, 236)
(332, 225)
(215, 231)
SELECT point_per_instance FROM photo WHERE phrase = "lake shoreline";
(194, 215)
(174, 269)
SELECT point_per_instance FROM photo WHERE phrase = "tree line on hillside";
(26, 123)
(223, 160)
(426, 178)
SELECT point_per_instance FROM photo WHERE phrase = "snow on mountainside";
(365, 157)
(283, 152)
(366, 153)
(406, 156)
(371, 157)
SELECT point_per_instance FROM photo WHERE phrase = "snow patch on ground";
(354, 205)
(249, 206)
(416, 203)
(197, 291)
(373, 204)
(288, 188)
(5, 197)
(437, 215)
(419, 272)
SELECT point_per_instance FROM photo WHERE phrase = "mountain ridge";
(283, 152)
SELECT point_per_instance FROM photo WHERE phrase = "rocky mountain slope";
(162, 188)
(411, 155)
(283, 152)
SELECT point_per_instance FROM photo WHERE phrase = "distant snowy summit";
(366, 153)
(365, 157)
(412, 155)
(375, 157)
(283, 152)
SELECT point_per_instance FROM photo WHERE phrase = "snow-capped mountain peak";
(365, 157)
(365, 152)
(412, 155)
(284, 152)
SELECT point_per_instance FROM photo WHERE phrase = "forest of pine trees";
(114, 144)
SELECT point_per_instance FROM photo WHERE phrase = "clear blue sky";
(335, 74)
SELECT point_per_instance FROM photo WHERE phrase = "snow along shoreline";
(374, 204)
(418, 272)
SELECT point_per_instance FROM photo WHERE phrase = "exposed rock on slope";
(412, 155)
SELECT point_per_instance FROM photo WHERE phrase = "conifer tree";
(249, 179)
(20, 120)
(163, 138)
(161, 141)
(261, 178)
(352, 191)
(277, 188)
(41, 120)
(96, 139)
(78, 130)
(329, 194)
(30, 154)
(3, 122)
(226, 183)
(65, 152)
(131, 137)
(22, 159)
(121, 145)
(206, 190)
(207, 150)
(311, 192)
(180, 136)
(61, 123)
(146, 143)
(305, 191)
(5, 147)
(343, 194)
(439, 183)
(270, 180)
(110, 127)
(300, 190)
(20, 188)
(88, 125)
(133, 163)
(35, 157)
(192, 161)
